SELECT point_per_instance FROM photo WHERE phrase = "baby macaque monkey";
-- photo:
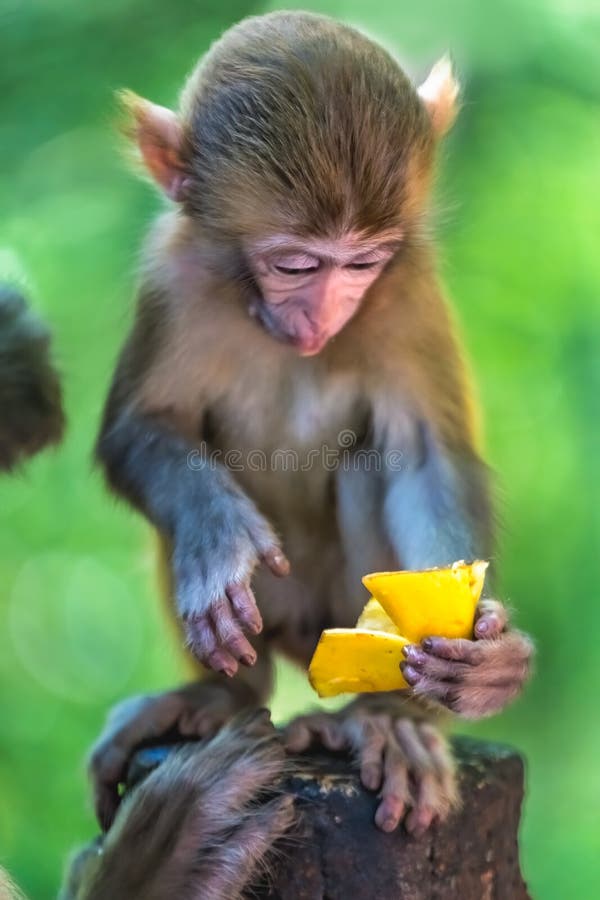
(291, 409)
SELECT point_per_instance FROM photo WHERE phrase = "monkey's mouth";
(304, 344)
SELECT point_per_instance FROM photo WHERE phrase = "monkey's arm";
(437, 510)
(216, 534)
(31, 414)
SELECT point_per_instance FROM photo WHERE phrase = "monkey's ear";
(158, 134)
(439, 93)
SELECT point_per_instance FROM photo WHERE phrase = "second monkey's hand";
(472, 678)
(407, 761)
(214, 597)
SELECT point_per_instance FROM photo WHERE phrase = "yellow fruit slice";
(352, 660)
(374, 618)
(431, 602)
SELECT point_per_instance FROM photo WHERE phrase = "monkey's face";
(309, 289)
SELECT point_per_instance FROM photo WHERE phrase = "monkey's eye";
(364, 265)
(290, 270)
(371, 260)
(295, 264)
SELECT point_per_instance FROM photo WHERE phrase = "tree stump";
(338, 853)
(342, 856)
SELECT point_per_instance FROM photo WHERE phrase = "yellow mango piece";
(374, 618)
(352, 660)
(431, 602)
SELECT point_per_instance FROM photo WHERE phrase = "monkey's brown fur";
(296, 125)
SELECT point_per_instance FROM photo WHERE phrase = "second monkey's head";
(303, 149)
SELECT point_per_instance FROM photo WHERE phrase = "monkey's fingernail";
(255, 627)
(415, 656)
(281, 563)
(427, 644)
(249, 659)
(227, 671)
(482, 627)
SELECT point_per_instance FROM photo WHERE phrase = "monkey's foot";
(196, 711)
(407, 761)
(472, 678)
(203, 822)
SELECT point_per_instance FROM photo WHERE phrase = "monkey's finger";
(395, 794)
(297, 736)
(433, 667)
(229, 634)
(459, 649)
(491, 618)
(428, 804)
(108, 765)
(223, 662)
(202, 641)
(106, 804)
(303, 732)
(442, 691)
(369, 743)
(428, 756)
(244, 606)
(411, 745)
(276, 560)
(441, 759)
(328, 731)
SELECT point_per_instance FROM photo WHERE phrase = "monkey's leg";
(400, 754)
(196, 710)
(200, 826)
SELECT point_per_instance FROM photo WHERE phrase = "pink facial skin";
(311, 289)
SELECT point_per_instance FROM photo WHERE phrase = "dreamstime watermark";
(348, 456)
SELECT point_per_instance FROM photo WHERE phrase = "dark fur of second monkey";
(31, 413)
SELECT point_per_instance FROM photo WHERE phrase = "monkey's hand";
(212, 563)
(472, 678)
(407, 761)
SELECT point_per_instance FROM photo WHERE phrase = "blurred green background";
(519, 228)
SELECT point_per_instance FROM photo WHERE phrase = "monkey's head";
(304, 151)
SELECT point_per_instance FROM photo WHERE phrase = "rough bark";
(342, 856)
